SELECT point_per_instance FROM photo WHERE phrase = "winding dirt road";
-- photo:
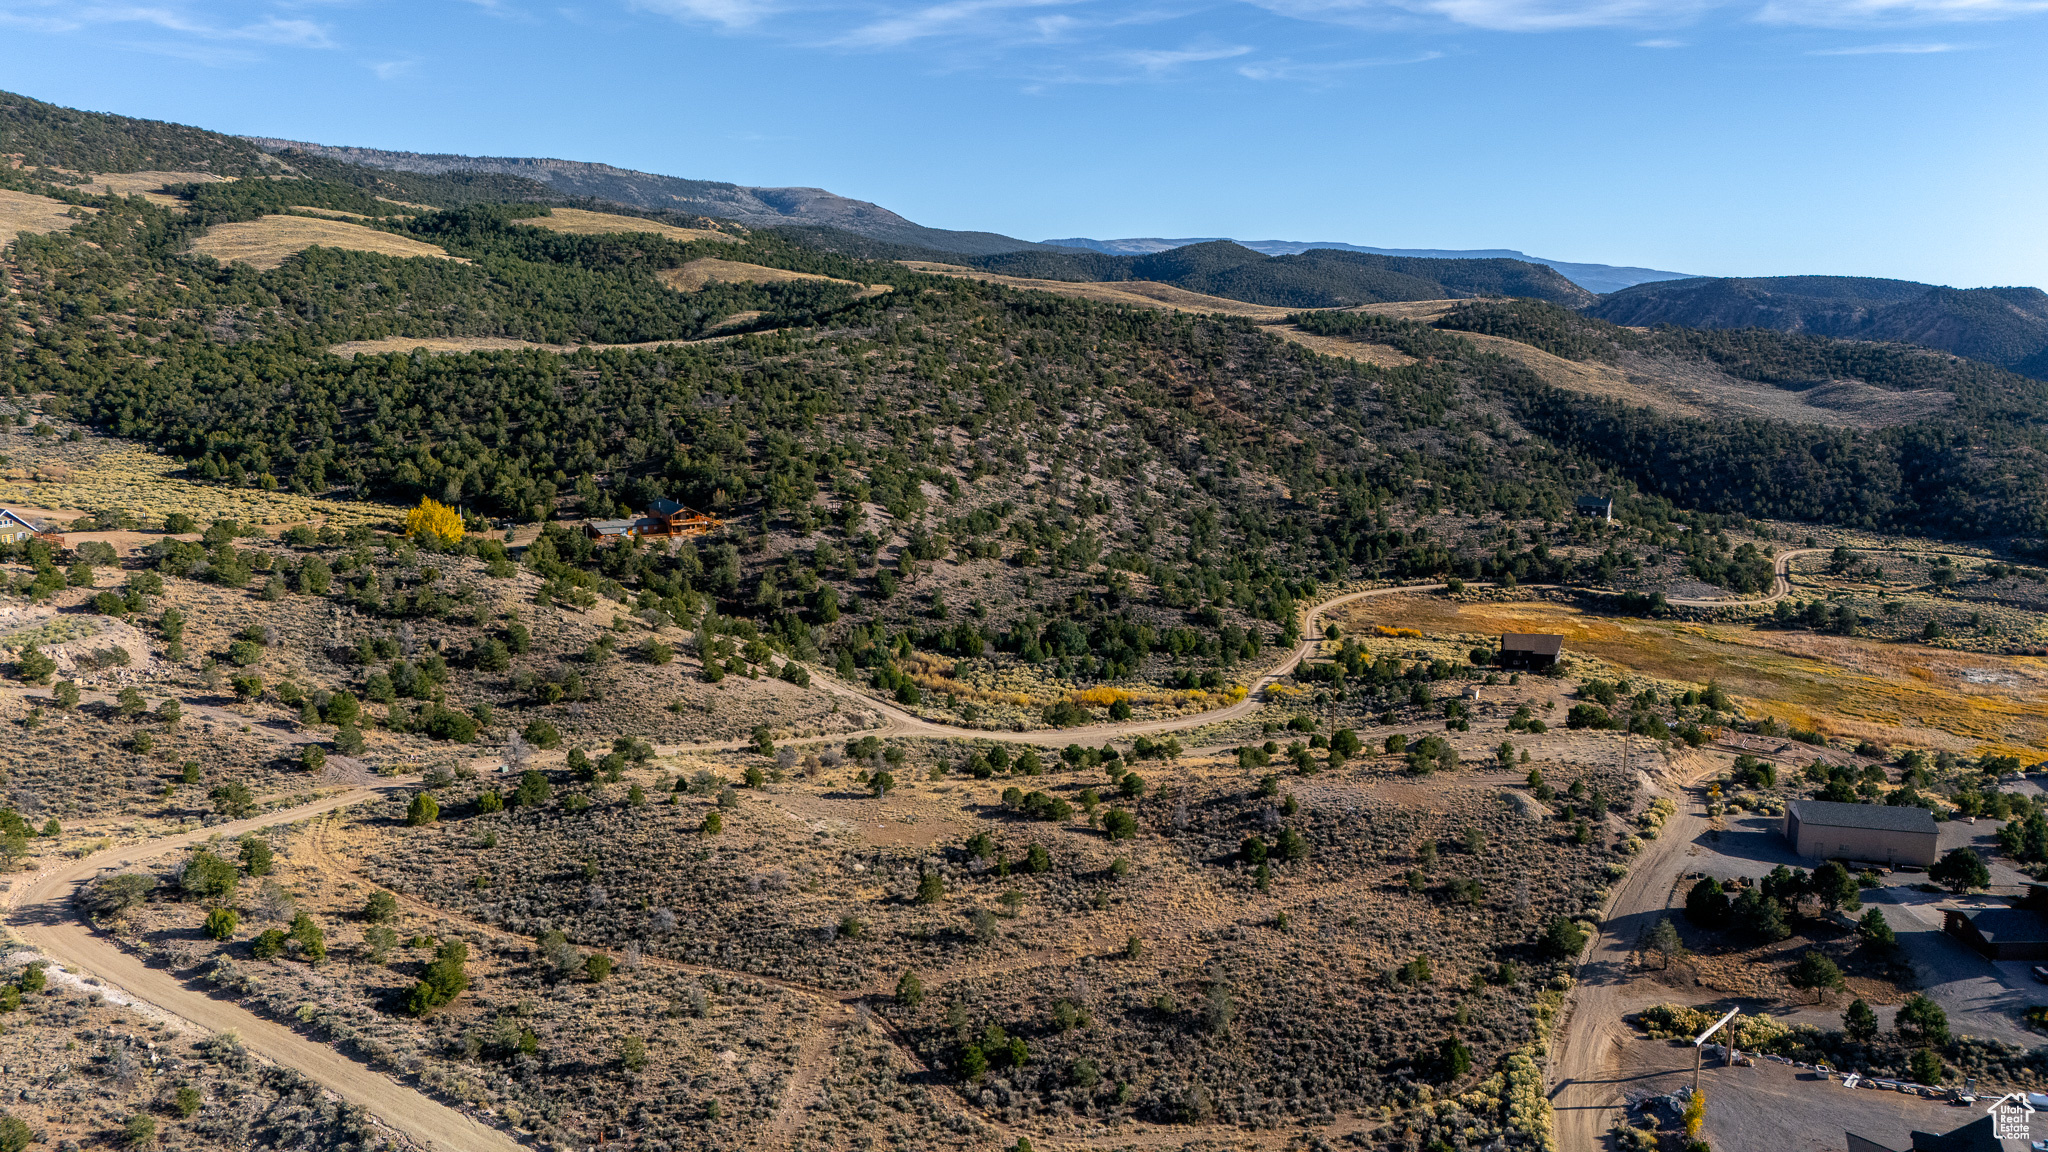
(897, 722)
(42, 911)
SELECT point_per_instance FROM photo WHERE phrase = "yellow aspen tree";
(433, 518)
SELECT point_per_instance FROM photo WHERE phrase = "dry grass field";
(267, 242)
(580, 222)
(21, 212)
(1899, 693)
(49, 474)
(148, 185)
(697, 273)
(1139, 293)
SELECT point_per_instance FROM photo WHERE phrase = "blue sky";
(1904, 138)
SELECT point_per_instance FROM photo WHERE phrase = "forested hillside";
(1320, 278)
(2003, 326)
(51, 136)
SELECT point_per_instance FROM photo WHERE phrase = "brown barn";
(1530, 650)
(2000, 933)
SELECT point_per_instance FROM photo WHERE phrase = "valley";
(487, 664)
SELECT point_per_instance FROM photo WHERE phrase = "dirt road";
(897, 722)
(1585, 1090)
(41, 912)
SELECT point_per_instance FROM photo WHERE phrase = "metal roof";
(1541, 643)
(2009, 926)
(1880, 817)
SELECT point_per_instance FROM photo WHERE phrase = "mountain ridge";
(1317, 278)
(2003, 326)
(752, 206)
(1600, 278)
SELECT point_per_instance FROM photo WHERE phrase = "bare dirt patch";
(267, 242)
(20, 212)
(579, 222)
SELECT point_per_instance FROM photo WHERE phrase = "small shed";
(1599, 506)
(1530, 649)
(1880, 833)
(2000, 933)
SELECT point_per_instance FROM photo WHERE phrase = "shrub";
(598, 967)
(312, 941)
(423, 810)
(533, 791)
(257, 856)
(542, 734)
(909, 989)
(34, 666)
(1119, 824)
(444, 979)
(220, 923)
(1563, 939)
(208, 877)
(269, 944)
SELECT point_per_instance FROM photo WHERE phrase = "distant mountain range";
(1600, 278)
(2003, 326)
(754, 207)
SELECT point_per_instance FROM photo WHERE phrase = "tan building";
(1880, 833)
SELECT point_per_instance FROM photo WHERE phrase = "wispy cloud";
(1888, 50)
(1286, 69)
(730, 13)
(1660, 43)
(1858, 13)
(390, 69)
(1500, 15)
(1005, 18)
(1560, 15)
(47, 16)
(1157, 60)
